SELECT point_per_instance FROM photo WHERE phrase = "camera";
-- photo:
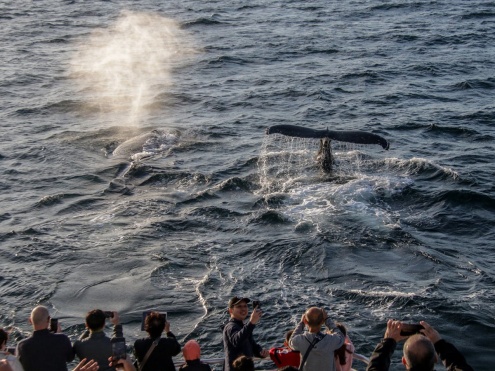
(119, 350)
(108, 314)
(256, 304)
(408, 329)
(145, 314)
(53, 324)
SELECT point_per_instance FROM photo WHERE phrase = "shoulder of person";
(58, 335)
(300, 335)
(61, 337)
(141, 341)
(23, 341)
(350, 347)
(232, 324)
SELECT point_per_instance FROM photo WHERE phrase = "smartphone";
(108, 314)
(119, 350)
(408, 329)
(256, 304)
(53, 324)
(145, 314)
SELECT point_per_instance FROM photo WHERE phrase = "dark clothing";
(45, 351)
(160, 358)
(451, 358)
(380, 359)
(195, 365)
(238, 340)
(97, 346)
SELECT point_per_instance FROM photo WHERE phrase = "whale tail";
(358, 137)
(324, 156)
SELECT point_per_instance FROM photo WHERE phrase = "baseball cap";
(236, 300)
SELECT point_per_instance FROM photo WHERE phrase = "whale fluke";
(324, 156)
(359, 137)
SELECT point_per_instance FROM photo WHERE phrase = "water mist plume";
(125, 67)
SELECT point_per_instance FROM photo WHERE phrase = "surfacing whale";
(147, 144)
(324, 156)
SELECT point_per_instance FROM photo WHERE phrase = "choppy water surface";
(135, 172)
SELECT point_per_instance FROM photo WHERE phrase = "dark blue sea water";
(135, 172)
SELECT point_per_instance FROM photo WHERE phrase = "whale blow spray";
(124, 68)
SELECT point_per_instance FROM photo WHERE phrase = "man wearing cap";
(238, 337)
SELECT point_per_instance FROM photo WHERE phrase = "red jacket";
(285, 357)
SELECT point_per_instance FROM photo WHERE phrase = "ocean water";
(136, 173)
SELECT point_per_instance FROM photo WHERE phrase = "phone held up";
(408, 329)
(118, 349)
(108, 314)
(53, 324)
(256, 304)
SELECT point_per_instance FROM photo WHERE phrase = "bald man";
(420, 352)
(317, 348)
(44, 350)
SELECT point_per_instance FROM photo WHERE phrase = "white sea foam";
(415, 164)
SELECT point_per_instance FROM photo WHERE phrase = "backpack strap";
(319, 336)
(148, 353)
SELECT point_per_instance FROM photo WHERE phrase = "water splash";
(282, 161)
(285, 162)
(124, 68)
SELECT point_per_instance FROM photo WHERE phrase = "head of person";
(314, 318)
(342, 328)
(154, 324)
(4, 336)
(95, 320)
(238, 308)
(288, 334)
(243, 363)
(191, 350)
(341, 352)
(40, 318)
(419, 353)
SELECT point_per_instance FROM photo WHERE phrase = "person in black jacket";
(44, 350)
(160, 357)
(420, 350)
(93, 343)
(238, 337)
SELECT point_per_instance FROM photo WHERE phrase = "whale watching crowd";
(317, 343)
